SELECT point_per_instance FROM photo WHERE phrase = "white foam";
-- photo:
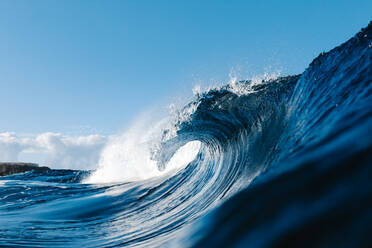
(183, 156)
(127, 157)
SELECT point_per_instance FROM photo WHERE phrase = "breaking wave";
(234, 150)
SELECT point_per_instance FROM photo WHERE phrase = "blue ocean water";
(284, 162)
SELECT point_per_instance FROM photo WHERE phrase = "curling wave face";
(157, 187)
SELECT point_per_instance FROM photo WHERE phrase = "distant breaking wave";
(276, 163)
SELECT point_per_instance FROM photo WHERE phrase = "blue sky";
(92, 66)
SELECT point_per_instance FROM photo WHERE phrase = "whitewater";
(268, 162)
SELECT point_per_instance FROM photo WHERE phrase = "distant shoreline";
(10, 168)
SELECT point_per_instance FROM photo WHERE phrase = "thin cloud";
(53, 149)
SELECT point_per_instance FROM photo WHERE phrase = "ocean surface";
(281, 162)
